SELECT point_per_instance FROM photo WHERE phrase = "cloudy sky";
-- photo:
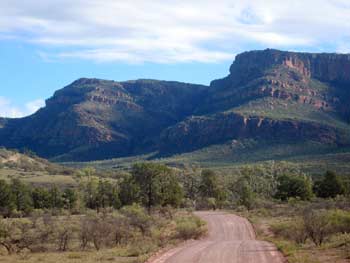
(45, 45)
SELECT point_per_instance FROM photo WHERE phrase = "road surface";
(231, 239)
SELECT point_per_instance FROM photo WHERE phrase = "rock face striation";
(268, 95)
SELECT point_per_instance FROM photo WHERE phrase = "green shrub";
(340, 220)
(141, 247)
(291, 230)
(190, 227)
(137, 217)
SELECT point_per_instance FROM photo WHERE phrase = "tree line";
(156, 185)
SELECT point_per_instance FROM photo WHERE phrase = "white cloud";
(10, 110)
(167, 31)
(33, 106)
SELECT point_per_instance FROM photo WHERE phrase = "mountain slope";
(93, 119)
(269, 95)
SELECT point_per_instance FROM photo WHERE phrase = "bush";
(340, 221)
(65, 230)
(17, 234)
(137, 217)
(190, 227)
(293, 230)
(97, 229)
(317, 225)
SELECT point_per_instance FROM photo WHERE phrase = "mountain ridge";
(268, 94)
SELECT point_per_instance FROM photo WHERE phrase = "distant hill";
(27, 162)
(270, 95)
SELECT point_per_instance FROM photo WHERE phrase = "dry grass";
(38, 177)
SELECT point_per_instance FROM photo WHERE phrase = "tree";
(171, 192)
(41, 198)
(70, 198)
(242, 192)
(157, 185)
(21, 196)
(246, 195)
(210, 187)
(129, 191)
(90, 194)
(330, 186)
(55, 197)
(190, 180)
(107, 195)
(6, 199)
(298, 186)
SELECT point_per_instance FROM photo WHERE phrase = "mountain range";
(269, 95)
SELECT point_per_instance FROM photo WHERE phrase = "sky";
(46, 45)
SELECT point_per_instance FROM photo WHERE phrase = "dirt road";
(231, 239)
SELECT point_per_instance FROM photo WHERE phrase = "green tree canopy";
(330, 186)
(211, 187)
(157, 185)
(6, 198)
(299, 186)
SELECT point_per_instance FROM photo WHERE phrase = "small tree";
(64, 232)
(317, 225)
(96, 229)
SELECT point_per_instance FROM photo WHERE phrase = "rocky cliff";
(271, 95)
(268, 95)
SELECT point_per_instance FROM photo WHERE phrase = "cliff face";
(271, 95)
(324, 67)
(268, 95)
(227, 126)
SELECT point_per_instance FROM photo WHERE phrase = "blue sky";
(45, 45)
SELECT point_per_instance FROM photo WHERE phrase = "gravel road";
(231, 239)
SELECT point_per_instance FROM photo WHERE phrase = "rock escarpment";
(268, 95)
(306, 95)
